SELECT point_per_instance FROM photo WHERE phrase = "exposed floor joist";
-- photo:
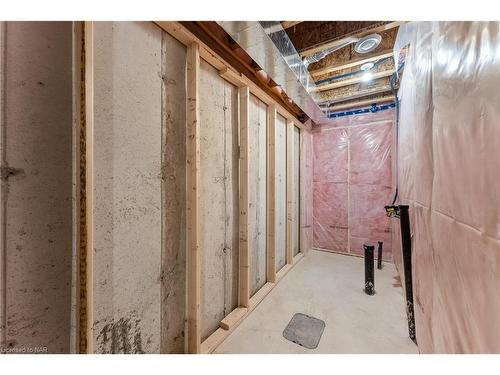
(288, 24)
(339, 41)
(357, 94)
(355, 80)
(351, 63)
(362, 103)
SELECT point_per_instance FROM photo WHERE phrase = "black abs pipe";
(369, 269)
(379, 255)
(406, 246)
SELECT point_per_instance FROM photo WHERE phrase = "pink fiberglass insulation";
(448, 170)
(353, 182)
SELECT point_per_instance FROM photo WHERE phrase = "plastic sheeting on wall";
(353, 182)
(448, 171)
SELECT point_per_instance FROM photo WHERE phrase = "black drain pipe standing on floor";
(369, 269)
(401, 212)
(379, 255)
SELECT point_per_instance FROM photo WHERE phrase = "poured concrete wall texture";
(36, 146)
(134, 143)
(257, 193)
(219, 212)
(173, 272)
(127, 214)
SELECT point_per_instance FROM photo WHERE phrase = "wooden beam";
(359, 34)
(232, 77)
(357, 94)
(288, 24)
(350, 63)
(362, 103)
(304, 184)
(353, 81)
(193, 247)
(245, 238)
(289, 191)
(271, 195)
(184, 36)
(233, 318)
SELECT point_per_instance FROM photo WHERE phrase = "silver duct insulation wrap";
(308, 60)
(269, 46)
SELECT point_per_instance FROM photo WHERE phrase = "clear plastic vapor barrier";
(448, 169)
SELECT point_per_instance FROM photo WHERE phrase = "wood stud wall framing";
(193, 198)
(196, 51)
(289, 192)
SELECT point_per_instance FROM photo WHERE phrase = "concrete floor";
(329, 287)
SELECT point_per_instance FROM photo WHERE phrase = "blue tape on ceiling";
(373, 108)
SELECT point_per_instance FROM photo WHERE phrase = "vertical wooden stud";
(303, 228)
(289, 191)
(193, 247)
(244, 269)
(271, 195)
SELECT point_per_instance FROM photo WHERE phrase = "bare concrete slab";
(329, 287)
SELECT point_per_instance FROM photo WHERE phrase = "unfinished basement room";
(250, 187)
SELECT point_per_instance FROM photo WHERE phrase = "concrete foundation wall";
(173, 271)
(218, 197)
(136, 189)
(36, 193)
(257, 193)
(127, 217)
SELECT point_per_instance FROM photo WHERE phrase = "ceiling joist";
(362, 103)
(350, 63)
(352, 81)
(357, 95)
(337, 42)
(288, 24)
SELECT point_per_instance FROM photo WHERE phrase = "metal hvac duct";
(269, 46)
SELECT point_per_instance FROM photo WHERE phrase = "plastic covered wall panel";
(370, 179)
(353, 182)
(218, 197)
(448, 170)
(306, 191)
(330, 189)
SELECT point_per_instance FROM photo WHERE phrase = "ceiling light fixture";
(367, 43)
(367, 66)
(366, 77)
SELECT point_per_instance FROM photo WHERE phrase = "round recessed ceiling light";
(368, 43)
(366, 77)
(366, 66)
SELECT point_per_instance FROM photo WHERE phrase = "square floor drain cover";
(304, 330)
